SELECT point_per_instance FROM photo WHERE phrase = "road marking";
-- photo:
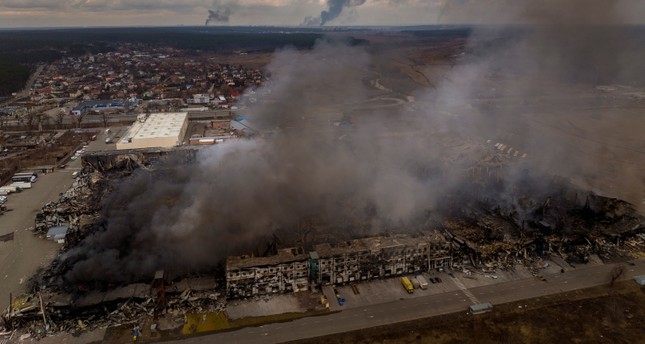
(465, 290)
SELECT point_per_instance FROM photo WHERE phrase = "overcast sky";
(39, 13)
(48, 13)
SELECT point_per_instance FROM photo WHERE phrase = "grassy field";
(596, 315)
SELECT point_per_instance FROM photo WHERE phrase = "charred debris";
(489, 223)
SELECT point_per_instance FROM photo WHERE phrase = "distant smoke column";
(336, 7)
(219, 15)
(311, 21)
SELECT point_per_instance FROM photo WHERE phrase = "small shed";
(640, 279)
(480, 308)
(58, 233)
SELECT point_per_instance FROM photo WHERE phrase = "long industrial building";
(293, 270)
(156, 130)
(287, 271)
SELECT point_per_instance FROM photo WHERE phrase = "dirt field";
(596, 315)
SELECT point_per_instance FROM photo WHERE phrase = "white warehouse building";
(165, 129)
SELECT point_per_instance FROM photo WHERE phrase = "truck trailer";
(25, 177)
(423, 283)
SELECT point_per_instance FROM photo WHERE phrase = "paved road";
(416, 308)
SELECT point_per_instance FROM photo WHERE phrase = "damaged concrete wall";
(380, 257)
(352, 261)
(134, 158)
(287, 271)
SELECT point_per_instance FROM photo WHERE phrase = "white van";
(423, 283)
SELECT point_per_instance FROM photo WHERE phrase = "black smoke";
(220, 15)
(334, 9)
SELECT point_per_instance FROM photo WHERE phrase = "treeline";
(23, 49)
(79, 41)
(13, 76)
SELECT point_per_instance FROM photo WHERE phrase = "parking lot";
(386, 290)
(21, 256)
(391, 289)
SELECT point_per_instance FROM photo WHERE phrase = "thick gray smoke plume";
(182, 218)
(220, 15)
(335, 8)
(546, 73)
(383, 170)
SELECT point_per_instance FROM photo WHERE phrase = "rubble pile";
(76, 207)
(49, 311)
(126, 161)
(492, 222)
(80, 205)
(530, 218)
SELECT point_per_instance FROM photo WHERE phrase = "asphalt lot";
(21, 257)
(420, 307)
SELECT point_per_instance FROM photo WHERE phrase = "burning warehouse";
(379, 257)
(287, 271)
(372, 186)
(291, 270)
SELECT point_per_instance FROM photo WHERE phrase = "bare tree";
(40, 119)
(46, 120)
(105, 118)
(59, 119)
(79, 118)
(29, 119)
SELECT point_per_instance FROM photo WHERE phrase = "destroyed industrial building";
(293, 270)
(564, 222)
(154, 232)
